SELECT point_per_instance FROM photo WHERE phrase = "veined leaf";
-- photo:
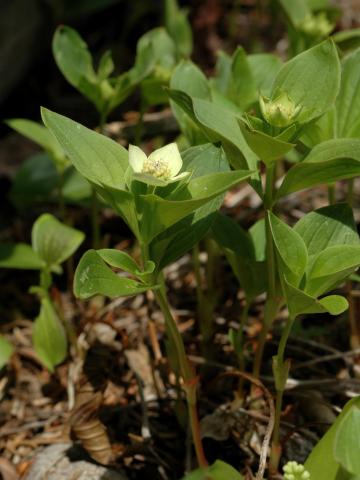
(120, 259)
(331, 267)
(300, 303)
(74, 60)
(327, 227)
(188, 78)
(346, 444)
(267, 148)
(94, 277)
(179, 28)
(348, 100)
(218, 124)
(327, 448)
(158, 214)
(49, 337)
(217, 471)
(53, 241)
(311, 79)
(290, 247)
(99, 159)
(328, 162)
(19, 255)
(264, 68)
(41, 136)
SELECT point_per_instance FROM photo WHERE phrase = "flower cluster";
(295, 471)
(280, 112)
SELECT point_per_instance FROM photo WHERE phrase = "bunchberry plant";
(159, 202)
(300, 95)
(52, 243)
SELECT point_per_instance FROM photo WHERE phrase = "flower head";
(317, 25)
(160, 168)
(280, 112)
(295, 471)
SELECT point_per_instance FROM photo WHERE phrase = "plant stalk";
(272, 303)
(280, 369)
(186, 371)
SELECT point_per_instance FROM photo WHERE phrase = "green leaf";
(267, 148)
(348, 100)
(295, 10)
(106, 65)
(311, 79)
(19, 255)
(218, 124)
(122, 260)
(327, 227)
(75, 63)
(242, 87)
(99, 159)
(230, 235)
(347, 40)
(6, 350)
(326, 448)
(163, 48)
(301, 303)
(290, 247)
(346, 444)
(240, 251)
(217, 471)
(158, 214)
(179, 28)
(94, 277)
(333, 160)
(188, 78)
(49, 337)
(331, 267)
(40, 135)
(53, 241)
(35, 181)
(264, 68)
(76, 189)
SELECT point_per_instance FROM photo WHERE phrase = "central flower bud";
(158, 168)
(280, 112)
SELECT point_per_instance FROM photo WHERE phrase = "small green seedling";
(52, 243)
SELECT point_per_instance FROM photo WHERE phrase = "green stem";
(202, 307)
(186, 371)
(95, 206)
(140, 125)
(350, 192)
(272, 303)
(62, 210)
(240, 336)
(95, 220)
(280, 374)
(331, 194)
(240, 345)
